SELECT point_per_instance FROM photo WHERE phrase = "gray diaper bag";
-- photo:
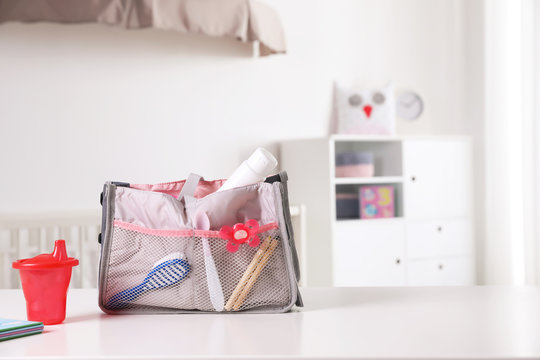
(184, 247)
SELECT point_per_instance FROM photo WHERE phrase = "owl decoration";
(365, 111)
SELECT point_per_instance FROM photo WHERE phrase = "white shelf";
(368, 252)
(367, 180)
(393, 138)
(366, 138)
(378, 220)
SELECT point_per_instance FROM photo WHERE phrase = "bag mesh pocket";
(167, 273)
(271, 288)
(133, 255)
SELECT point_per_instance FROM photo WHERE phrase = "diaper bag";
(184, 247)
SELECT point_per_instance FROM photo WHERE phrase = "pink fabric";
(173, 188)
(183, 232)
(362, 170)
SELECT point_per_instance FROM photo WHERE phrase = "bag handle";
(189, 186)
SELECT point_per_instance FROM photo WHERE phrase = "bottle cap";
(262, 162)
(58, 258)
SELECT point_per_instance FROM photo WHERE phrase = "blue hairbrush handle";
(162, 275)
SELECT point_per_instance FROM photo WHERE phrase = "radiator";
(26, 235)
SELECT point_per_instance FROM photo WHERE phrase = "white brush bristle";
(171, 256)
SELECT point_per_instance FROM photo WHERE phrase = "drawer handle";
(439, 228)
(398, 261)
(441, 266)
(413, 178)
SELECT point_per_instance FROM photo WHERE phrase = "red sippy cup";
(45, 280)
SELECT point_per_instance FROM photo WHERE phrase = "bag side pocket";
(148, 270)
(254, 278)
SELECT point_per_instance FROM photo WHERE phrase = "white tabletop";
(351, 323)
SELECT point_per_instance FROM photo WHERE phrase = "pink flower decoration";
(240, 234)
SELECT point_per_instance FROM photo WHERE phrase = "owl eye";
(378, 98)
(355, 100)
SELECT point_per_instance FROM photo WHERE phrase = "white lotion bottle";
(253, 170)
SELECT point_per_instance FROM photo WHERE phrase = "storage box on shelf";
(429, 241)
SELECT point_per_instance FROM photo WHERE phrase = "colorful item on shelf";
(377, 202)
(354, 164)
(347, 206)
(240, 234)
(364, 111)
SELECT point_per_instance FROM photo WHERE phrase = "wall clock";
(409, 106)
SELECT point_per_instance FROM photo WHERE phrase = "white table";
(351, 323)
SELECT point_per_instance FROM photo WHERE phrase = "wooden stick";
(258, 256)
(255, 275)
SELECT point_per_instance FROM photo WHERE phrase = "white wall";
(474, 114)
(82, 104)
(511, 183)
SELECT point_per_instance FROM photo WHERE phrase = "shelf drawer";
(457, 271)
(439, 238)
(369, 253)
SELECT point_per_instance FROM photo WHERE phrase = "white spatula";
(212, 278)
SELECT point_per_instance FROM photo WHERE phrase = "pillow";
(365, 111)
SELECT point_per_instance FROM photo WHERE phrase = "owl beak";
(367, 110)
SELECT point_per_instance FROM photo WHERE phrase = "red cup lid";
(58, 258)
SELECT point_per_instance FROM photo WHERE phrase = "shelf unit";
(429, 242)
(368, 180)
